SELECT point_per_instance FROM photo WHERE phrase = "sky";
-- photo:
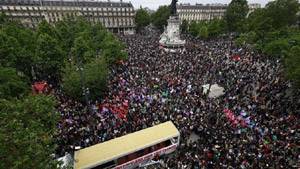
(154, 4)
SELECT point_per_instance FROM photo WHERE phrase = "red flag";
(236, 57)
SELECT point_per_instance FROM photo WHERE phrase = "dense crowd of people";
(153, 86)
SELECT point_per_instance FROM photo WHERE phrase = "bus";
(130, 151)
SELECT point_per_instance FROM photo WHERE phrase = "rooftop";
(87, 3)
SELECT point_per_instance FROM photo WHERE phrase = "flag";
(236, 58)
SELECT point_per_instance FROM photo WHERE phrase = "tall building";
(200, 12)
(115, 16)
(253, 7)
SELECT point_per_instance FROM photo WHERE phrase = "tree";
(113, 50)
(49, 59)
(94, 78)
(9, 48)
(292, 62)
(249, 38)
(17, 46)
(142, 19)
(215, 27)
(194, 28)
(160, 17)
(12, 85)
(236, 14)
(203, 32)
(66, 35)
(26, 133)
(45, 28)
(184, 26)
(276, 48)
(3, 18)
(282, 12)
(99, 33)
(83, 49)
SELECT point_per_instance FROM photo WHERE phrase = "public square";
(178, 84)
(160, 86)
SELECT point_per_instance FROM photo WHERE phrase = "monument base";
(170, 39)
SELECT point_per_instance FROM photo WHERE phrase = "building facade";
(201, 12)
(115, 16)
(253, 7)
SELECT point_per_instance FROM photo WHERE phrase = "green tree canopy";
(26, 133)
(160, 17)
(83, 49)
(9, 49)
(216, 27)
(194, 28)
(184, 26)
(203, 32)
(94, 77)
(49, 58)
(276, 47)
(282, 12)
(45, 28)
(209, 29)
(17, 46)
(236, 14)
(273, 31)
(142, 19)
(12, 84)
(113, 50)
(292, 64)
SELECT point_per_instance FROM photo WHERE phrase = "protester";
(253, 125)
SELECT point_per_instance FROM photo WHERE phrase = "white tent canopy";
(215, 90)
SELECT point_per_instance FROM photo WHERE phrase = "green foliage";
(236, 14)
(160, 17)
(26, 133)
(244, 38)
(12, 85)
(113, 50)
(9, 48)
(292, 64)
(82, 48)
(208, 29)
(203, 32)
(277, 15)
(142, 19)
(95, 78)
(194, 28)
(49, 59)
(45, 28)
(66, 35)
(2, 18)
(71, 82)
(272, 30)
(184, 26)
(17, 46)
(276, 47)
(216, 27)
(282, 12)
(28, 124)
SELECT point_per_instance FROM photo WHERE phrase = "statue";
(173, 7)
(170, 40)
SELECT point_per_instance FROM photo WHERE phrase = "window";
(109, 164)
(143, 152)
